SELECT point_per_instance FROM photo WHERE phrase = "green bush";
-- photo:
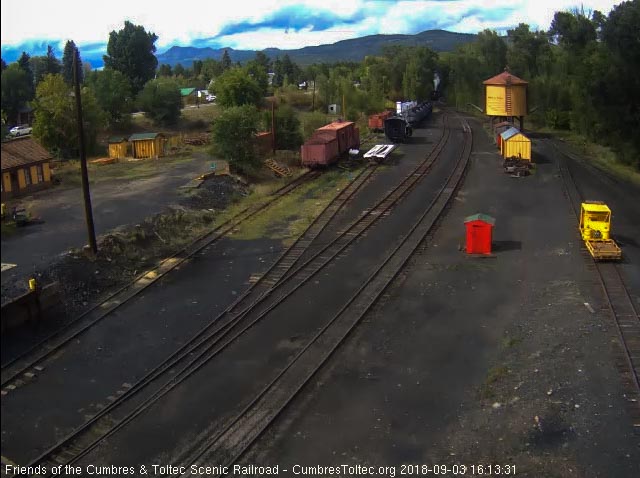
(161, 101)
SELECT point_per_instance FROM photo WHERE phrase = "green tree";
(131, 51)
(113, 93)
(165, 70)
(161, 101)
(493, 50)
(197, 67)
(233, 135)
(53, 66)
(3, 64)
(211, 69)
(25, 64)
(263, 60)
(235, 87)
(44, 65)
(178, 70)
(226, 61)
(257, 71)
(55, 123)
(70, 50)
(16, 91)
(287, 126)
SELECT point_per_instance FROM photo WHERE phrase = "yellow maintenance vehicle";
(595, 227)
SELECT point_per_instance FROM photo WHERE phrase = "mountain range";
(346, 50)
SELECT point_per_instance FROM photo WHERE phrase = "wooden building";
(118, 147)
(263, 143)
(148, 145)
(506, 97)
(26, 167)
(514, 144)
(189, 96)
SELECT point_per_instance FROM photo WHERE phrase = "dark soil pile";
(130, 250)
(216, 193)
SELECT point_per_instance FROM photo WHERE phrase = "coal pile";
(216, 193)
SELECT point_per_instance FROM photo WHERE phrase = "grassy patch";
(68, 172)
(495, 374)
(8, 228)
(600, 156)
(510, 342)
(288, 217)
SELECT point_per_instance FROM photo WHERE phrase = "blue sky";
(257, 24)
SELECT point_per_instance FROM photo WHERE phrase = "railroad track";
(619, 303)
(228, 445)
(250, 308)
(30, 363)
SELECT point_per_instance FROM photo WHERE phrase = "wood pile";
(197, 139)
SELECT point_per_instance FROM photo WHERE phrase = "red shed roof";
(505, 78)
(22, 152)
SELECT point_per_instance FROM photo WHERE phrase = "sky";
(257, 24)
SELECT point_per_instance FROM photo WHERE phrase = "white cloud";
(180, 23)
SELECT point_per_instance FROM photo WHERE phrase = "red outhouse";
(479, 233)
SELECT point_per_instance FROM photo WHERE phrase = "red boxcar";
(344, 133)
(319, 150)
(329, 142)
(376, 121)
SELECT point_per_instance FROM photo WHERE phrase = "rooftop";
(505, 78)
(186, 91)
(480, 217)
(336, 125)
(22, 152)
(143, 136)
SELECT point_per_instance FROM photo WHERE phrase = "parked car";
(20, 130)
(211, 98)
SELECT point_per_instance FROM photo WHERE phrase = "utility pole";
(83, 158)
(273, 125)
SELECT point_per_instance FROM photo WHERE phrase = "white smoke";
(436, 81)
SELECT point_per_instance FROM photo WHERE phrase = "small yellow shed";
(514, 144)
(118, 147)
(148, 145)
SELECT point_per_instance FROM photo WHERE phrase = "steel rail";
(44, 349)
(187, 350)
(620, 305)
(236, 437)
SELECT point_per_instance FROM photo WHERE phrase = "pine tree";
(226, 60)
(67, 62)
(131, 51)
(23, 63)
(52, 64)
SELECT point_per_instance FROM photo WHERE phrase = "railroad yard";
(370, 340)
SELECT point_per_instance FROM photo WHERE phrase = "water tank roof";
(505, 78)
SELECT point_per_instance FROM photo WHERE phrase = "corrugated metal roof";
(480, 217)
(143, 136)
(505, 78)
(22, 152)
(505, 135)
(116, 139)
(186, 91)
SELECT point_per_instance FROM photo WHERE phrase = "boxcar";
(329, 142)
